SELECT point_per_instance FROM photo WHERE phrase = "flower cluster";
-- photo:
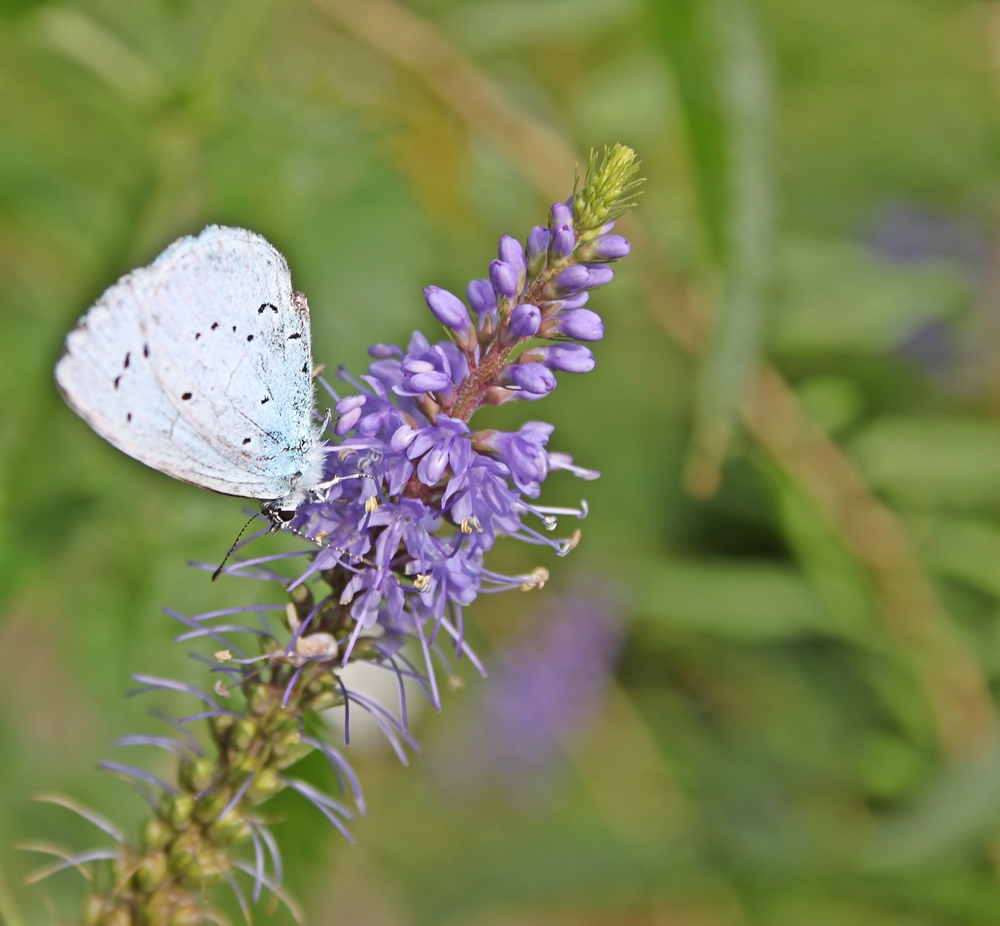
(413, 500)
(406, 431)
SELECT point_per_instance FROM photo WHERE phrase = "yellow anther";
(575, 539)
(221, 690)
(537, 579)
(321, 536)
(292, 616)
(420, 582)
(223, 655)
(471, 524)
(371, 504)
(322, 645)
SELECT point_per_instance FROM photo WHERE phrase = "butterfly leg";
(323, 489)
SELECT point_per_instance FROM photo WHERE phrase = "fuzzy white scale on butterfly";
(200, 366)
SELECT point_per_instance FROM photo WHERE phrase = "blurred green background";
(795, 411)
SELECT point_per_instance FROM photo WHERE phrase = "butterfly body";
(200, 366)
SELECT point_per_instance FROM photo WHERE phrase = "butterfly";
(200, 366)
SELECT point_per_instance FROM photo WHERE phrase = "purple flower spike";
(535, 378)
(524, 320)
(538, 246)
(579, 324)
(563, 241)
(504, 278)
(560, 214)
(568, 358)
(511, 252)
(448, 309)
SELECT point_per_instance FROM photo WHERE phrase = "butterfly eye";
(285, 516)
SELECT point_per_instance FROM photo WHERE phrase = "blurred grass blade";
(836, 577)
(965, 549)
(100, 51)
(932, 463)
(724, 83)
(741, 600)
(963, 805)
(688, 36)
(9, 914)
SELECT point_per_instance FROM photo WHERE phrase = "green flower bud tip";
(609, 188)
(156, 834)
(196, 776)
(152, 870)
(264, 785)
(246, 730)
(179, 813)
(93, 910)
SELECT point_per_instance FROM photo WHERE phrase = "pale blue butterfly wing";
(200, 366)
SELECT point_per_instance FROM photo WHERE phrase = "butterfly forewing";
(230, 348)
(106, 379)
(148, 371)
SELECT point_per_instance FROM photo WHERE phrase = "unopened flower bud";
(538, 246)
(481, 296)
(349, 410)
(579, 324)
(534, 378)
(448, 309)
(560, 214)
(573, 279)
(384, 351)
(423, 376)
(599, 275)
(511, 252)
(563, 241)
(524, 320)
(504, 278)
(568, 358)
(607, 247)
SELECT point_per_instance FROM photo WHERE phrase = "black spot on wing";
(297, 334)
(186, 396)
(267, 305)
(145, 350)
(249, 337)
(265, 400)
(246, 440)
(197, 335)
(234, 327)
(215, 325)
(128, 416)
(118, 380)
(128, 357)
(305, 367)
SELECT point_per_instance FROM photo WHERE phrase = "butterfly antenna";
(232, 549)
